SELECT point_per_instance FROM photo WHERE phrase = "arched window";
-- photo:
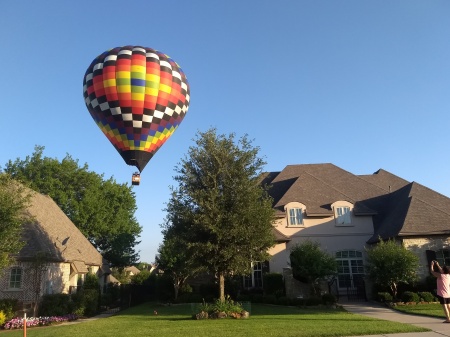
(15, 278)
(350, 268)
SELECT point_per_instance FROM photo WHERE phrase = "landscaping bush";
(283, 300)
(409, 296)
(2, 318)
(8, 306)
(384, 297)
(113, 290)
(270, 299)
(328, 299)
(427, 296)
(220, 309)
(313, 301)
(273, 284)
(55, 305)
(90, 302)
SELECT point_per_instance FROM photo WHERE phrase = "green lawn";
(175, 321)
(432, 309)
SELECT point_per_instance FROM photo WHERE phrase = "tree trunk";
(222, 286)
(176, 286)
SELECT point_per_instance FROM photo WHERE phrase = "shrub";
(384, 297)
(313, 301)
(90, 301)
(409, 296)
(427, 296)
(2, 318)
(283, 300)
(270, 299)
(55, 305)
(328, 299)
(218, 309)
(273, 284)
(8, 306)
(91, 282)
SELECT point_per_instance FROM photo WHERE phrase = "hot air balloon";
(138, 97)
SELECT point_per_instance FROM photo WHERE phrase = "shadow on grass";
(180, 312)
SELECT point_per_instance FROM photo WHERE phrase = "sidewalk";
(374, 310)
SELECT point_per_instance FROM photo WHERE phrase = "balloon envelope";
(138, 97)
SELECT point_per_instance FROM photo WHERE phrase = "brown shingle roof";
(52, 232)
(398, 207)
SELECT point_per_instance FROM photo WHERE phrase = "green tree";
(141, 278)
(311, 265)
(14, 199)
(36, 270)
(219, 207)
(102, 209)
(390, 263)
(174, 259)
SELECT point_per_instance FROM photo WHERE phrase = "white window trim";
(348, 215)
(293, 206)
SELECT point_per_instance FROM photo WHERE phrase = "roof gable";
(399, 207)
(52, 232)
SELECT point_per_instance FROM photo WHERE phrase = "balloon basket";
(135, 179)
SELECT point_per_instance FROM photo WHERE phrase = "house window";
(255, 279)
(443, 257)
(350, 268)
(295, 216)
(343, 216)
(15, 279)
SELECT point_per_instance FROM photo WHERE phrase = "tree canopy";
(219, 206)
(390, 263)
(13, 203)
(174, 258)
(310, 264)
(102, 209)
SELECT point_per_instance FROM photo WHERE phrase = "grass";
(429, 309)
(176, 321)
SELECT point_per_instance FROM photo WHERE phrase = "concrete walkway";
(374, 310)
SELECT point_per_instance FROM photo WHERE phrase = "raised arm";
(434, 273)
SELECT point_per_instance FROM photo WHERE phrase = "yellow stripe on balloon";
(136, 96)
(123, 88)
(151, 91)
(152, 77)
(165, 88)
(138, 70)
(109, 83)
(123, 74)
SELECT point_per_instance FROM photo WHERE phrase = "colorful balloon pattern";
(138, 97)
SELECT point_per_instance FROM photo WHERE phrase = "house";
(346, 213)
(131, 271)
(56, 256)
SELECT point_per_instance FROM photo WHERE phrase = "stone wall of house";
(420, 245)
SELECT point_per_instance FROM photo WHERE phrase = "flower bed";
(17, 323)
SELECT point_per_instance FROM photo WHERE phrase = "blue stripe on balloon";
(138, 82)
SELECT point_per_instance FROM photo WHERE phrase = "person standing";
(443, 286)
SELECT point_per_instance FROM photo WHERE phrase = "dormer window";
(296, 217)
(343, 216)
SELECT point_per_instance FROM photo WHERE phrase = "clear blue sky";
(361, 84)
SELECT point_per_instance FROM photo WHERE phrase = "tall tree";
(310, 264)
(390, 263)
(14, 200)
(102, 209)
(219, 206)
(174, 259)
